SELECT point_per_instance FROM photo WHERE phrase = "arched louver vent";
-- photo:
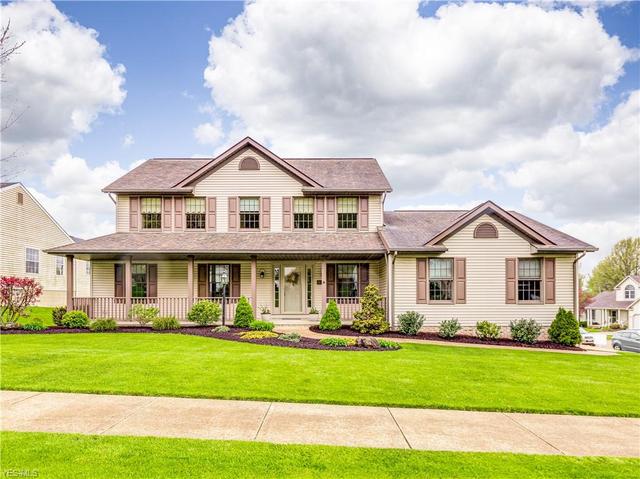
(249, 163)
(485, 230)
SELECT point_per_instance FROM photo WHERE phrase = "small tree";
(370, 319)
(565, 329)
(15, 295)
(204, 312)
(143, 314)
(244, 313)
(330, 320)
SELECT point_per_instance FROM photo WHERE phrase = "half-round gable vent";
(249, 163)
(485, 230)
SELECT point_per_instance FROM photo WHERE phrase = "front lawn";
(415, 376)
(37, 312)
(69, 455)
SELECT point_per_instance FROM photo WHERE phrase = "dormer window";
(629, 292)
(151, 212)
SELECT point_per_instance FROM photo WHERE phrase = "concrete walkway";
(288, 423)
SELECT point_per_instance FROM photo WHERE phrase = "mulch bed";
(462, 338)
(204, 331)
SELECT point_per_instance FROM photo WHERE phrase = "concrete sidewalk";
(289, 423)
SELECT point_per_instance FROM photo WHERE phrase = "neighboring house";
(622, 305)
(26, 231)
(292, 234)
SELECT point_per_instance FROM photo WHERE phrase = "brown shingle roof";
(343, 174)
(557, 236)
(156, 174)
(607, 300)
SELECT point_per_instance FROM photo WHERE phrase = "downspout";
(576, 293)
(111, 198)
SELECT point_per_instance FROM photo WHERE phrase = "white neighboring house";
(26, 231)
(622, 305)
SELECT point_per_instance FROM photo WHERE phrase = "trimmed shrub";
(584, 324)
(330, 320)
(34, 325)
(258, 335)
(615, 326)
(261, 326)
(449, 328)
(205, 313)
(221, 329)
(337, 342)
(75, 319)
(386, 344)
(291, 337)
(410, 323)
(102, 325)
(57, 313)
(143, 314)
(165, 323)
(244, 313)
(487, 330)
(564, 329)
(525, 331)
(370, 319)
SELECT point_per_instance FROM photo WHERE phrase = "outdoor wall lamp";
(261, 274)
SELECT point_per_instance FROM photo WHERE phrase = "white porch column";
(323, 277)
(254, 284)
(127, 284)
(190, 267)
(70, 281)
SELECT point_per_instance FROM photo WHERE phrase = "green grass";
(37, 312)
(416, 376)
(70, 455)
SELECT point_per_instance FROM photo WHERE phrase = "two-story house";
(291, 234)
(622, 305)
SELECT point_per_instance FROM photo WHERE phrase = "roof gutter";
(172, 191)
(344, 191)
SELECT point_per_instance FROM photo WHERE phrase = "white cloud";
(209, 133)
(128, 140)
(59, 81)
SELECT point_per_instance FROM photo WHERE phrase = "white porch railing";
(349, 306)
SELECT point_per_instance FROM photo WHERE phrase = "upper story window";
(441, 279)
(195, 210)
(629, 292)
(151, 211)
(32, 260)
(59, 265)
(347, 280)
(529, 280)
(249, 213)
(303, 213)
(348, 213)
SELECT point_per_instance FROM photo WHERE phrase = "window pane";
(276, 287)
(441, 268)
(217, 287)
(309, 287)
(303, 205)
(195, 213)
(59, 265)
(249, 213)
(195, 205)
(529, 269)
(347, 280)
(348, 205)
(150, 205)
(249, 205)
(441, 290)
(151, 210)
(32, 264)
(139, 280)
(529, 290)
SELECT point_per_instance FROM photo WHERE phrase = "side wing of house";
(26, 231)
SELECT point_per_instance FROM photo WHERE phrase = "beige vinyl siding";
(382, 277)
(30, 226)
(122, 213)
(172, 279)
(485, 281)
(375, 212)
(102, 279)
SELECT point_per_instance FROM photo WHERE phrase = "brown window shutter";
(203, 281)
(319, 216)
(421, 281)
(167, 204)
(550, 280)
(511, 272)
(265, 221)
(331, 213)
(118, 278)
(331, 280)
(363, 220)
(178, 215)
(134, 213)
(363, 277)
(152, 280)
(233, 213)
(461, 280)
(235, 280)
(211, 213)
(287, 207)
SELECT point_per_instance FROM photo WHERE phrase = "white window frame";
(629, 292)
(59, 266)
(27, 260)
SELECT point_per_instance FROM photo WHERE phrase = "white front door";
(292, 288)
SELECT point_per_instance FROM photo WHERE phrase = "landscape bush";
(102, 325)
(221, 329)
(75, 319)
(35, 324)
(291, 337)
(330, 320)
(386, 344)
(261, 326)
(337, 342)
(449, 328)
(615, 326)
(584, 324)
(487, 330)
(258, 335)
(564, 329)
(57, 313)
(244, 313)
(205, 313)
(410, 323)
(164, 323)
(16, 294)
(370, 319)
(525, 331)
(143, 314)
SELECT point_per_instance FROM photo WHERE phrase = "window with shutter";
(195, 211)
(151, 213)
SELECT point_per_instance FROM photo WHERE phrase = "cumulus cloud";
(58, 83)
(128, 140)
(209, 133)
